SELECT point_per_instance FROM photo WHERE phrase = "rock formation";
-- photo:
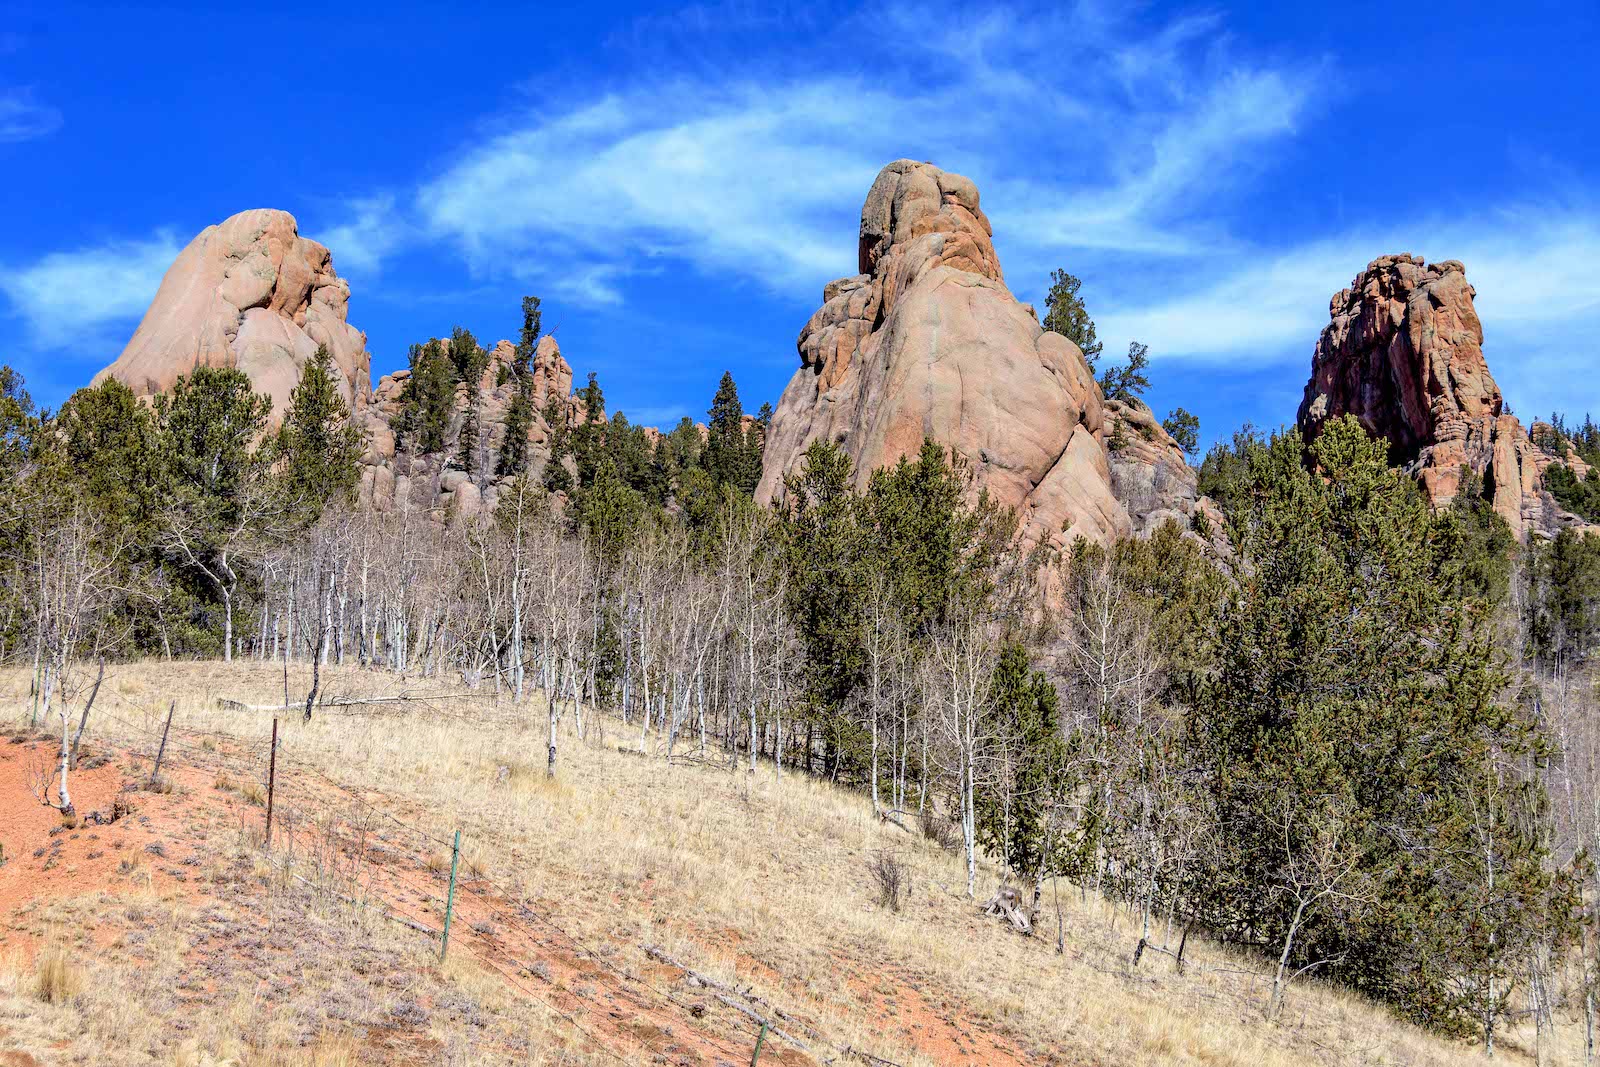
(927, 342)
(398, 478)
(1403, 353)
(1150, 474)
(249, 293)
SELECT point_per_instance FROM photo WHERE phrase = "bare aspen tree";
(1320, 869)
(189, 531)
(881, 647)
(73, 565)
(961, 667)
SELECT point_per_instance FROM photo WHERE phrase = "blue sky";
(678, 182)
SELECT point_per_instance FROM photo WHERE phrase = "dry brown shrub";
(891, 877)
(940, 829)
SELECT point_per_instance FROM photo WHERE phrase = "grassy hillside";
(173, 935)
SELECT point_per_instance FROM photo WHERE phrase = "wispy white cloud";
(756, 174)
(730, 180)
(1528, 265)
(1135, 158)
(23, 118)
(753, 172)
(371, 228)
(66, 296)
(1148, 208)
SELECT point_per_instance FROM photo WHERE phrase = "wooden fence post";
(162, 751)
(272, 779)
(450, 900)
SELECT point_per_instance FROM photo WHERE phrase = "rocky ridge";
(252, 294)
(926, 341)
(1150, 474)
(397, 478)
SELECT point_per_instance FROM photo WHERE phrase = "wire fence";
(344, 856)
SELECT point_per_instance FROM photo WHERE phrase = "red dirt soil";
(633, 1011)
(45, 858)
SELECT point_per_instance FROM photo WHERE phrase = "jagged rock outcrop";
(1403, 353)
(249, 293)
(927, 342)
(396, 478)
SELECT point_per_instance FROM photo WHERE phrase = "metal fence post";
(760, 1040)
(450, 900)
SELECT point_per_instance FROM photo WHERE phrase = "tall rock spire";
(927, 342)
(1403, 353)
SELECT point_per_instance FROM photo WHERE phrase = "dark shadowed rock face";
(1403, 353)
(927, 342)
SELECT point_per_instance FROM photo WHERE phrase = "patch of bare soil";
(189, 856)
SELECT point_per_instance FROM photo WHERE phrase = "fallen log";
(659, 954)
(890, 816)
(229, 704)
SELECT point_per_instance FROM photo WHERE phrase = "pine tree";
(1349, 728)
(610, 513)
(1185, 430)
(588, 436)
(108, 439)
(937, 550)
(557, 479)
(427, 399)
(467, 357)
(1014, 805)
(824, 549)
(220, 506)
(513, 457)
(208, 424)
(318, 442)
(1128, 382)
(528, 339)
(729, 457)
(17, 415)
(1065, 314)
(468, 445)
(1225, 472)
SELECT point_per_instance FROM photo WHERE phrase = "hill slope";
(582, 906)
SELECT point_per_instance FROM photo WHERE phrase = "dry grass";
(57, 977)
(760, 881)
